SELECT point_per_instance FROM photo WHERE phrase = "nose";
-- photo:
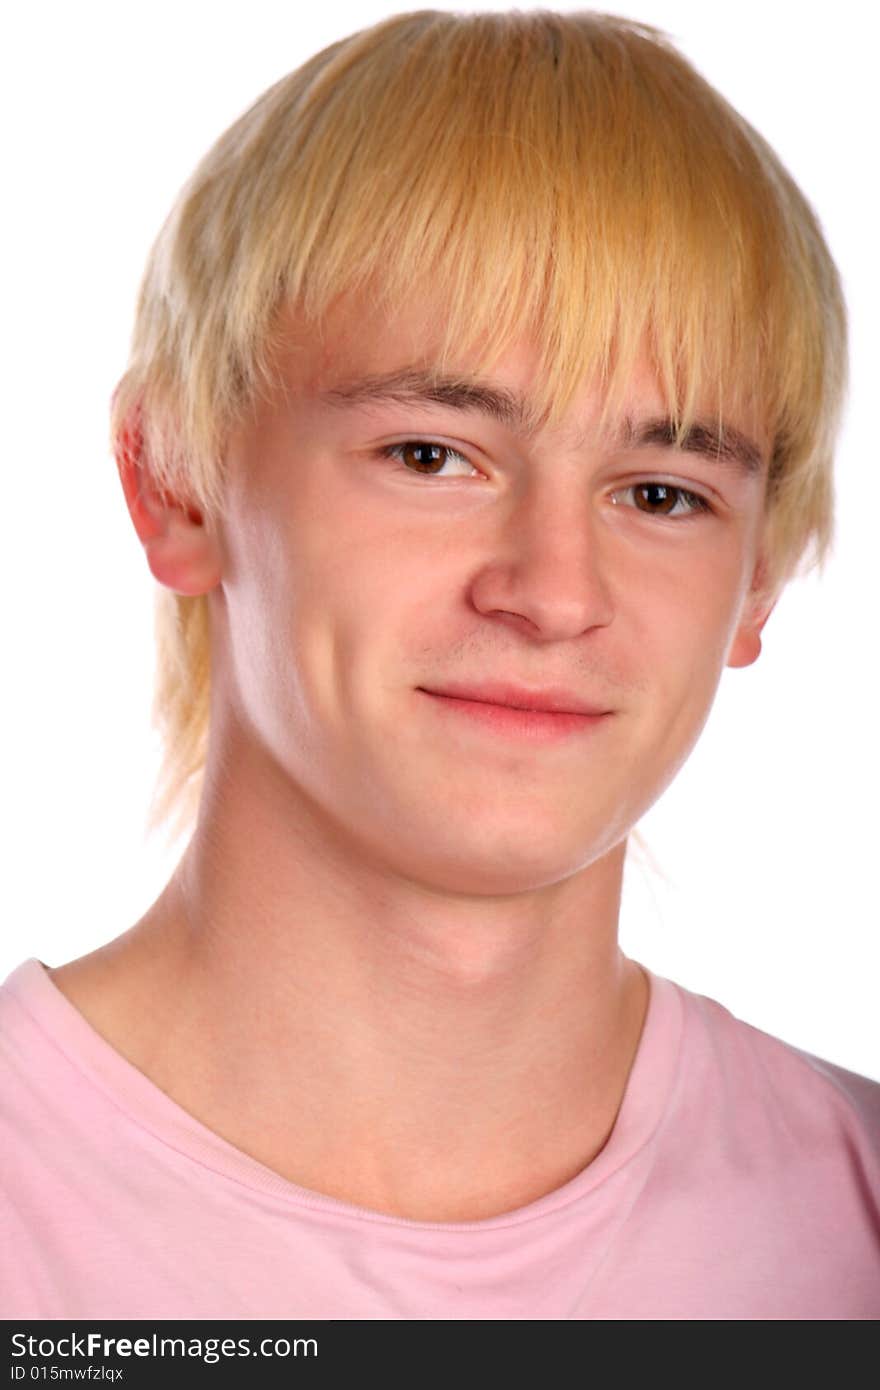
(546, 573)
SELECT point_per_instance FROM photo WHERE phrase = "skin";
(387, 965)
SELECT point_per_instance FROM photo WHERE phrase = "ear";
(757, 607)
(180, 552)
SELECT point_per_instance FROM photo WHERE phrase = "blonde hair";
(567, 175)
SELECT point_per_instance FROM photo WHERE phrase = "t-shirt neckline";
(645, 1101)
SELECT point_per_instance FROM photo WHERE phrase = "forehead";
(361, 355)
(358, 344)
(357, 336)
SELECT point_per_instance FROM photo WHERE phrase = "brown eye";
(665, 499)
(430, 459)
(659, 497)
(424, 458)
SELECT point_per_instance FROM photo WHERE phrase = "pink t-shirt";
(741, 1180)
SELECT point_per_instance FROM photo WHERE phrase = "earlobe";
(180, 552)
(745, 648)
(746, 645)
(758, 605)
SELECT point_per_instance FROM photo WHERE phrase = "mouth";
(548, 699)
(537, 716)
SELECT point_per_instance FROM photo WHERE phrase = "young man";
(482, 400)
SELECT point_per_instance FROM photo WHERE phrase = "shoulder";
(33, 1067)
(19, 1014)
(770, 1083)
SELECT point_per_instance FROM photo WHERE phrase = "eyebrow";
(415, 386)
(722, 445)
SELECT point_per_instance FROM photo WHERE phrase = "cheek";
(264, 593)
(318, 620)
(680, 635)
(690, 604)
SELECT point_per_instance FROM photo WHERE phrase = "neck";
(436, 1056)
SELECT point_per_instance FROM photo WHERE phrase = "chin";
(516, 864)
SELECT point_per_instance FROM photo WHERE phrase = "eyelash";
(696, 503)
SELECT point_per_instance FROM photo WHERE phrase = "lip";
(549, 699)
(535, 723)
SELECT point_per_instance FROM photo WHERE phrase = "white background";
(766, 895)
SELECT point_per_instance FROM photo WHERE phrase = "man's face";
(380, 551)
